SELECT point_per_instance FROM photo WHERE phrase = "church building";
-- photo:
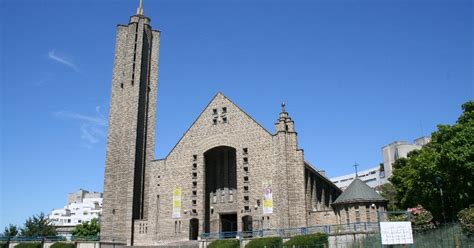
(226, 174)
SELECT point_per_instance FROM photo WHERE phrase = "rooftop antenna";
(283, 107)
(140, 8)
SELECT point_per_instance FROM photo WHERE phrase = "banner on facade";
(267, 198)
(396, 232)
(176, 202)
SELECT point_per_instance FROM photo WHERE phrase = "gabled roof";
(216, 96)
(358, 191)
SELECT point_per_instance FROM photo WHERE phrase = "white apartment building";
(379, 174)
(82, 206)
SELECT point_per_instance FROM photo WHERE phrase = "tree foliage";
(87, 229)
(388, 192)
(10, 231)
(446, 164)
(38, 226)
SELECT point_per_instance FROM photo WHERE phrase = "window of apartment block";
(245, 151)
(246, 160)
(224, 110)
(214, 111)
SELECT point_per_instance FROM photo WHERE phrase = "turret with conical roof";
(359, 203)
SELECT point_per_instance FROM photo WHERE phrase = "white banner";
(267, 198)
(396, 232)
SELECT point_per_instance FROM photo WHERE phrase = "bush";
(63, 245)
(29, 245)
(466, 219)
(225, 243)
(421, 219)
(3, 245)
(317, 239)
(262, 242)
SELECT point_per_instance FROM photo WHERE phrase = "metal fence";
(362, 227)
(48, 238)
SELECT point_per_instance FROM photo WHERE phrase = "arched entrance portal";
(193, 229)
(220, 186)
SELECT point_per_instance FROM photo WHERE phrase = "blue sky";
(355, 75)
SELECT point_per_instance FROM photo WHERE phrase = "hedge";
(63, 245)
(225, 243)
(29, 245)
(317, 239)
(265, 242)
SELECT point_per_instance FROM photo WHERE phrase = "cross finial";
(140, 8)
(355, 166)
(283, 107)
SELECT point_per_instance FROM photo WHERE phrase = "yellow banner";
(176, 202)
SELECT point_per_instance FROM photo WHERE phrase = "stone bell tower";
(290, 177)
(132, 121)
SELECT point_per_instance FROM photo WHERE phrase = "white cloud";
(92, 128)
(97, 120)
(52, 55)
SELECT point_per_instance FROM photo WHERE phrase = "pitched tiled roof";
(358, 191)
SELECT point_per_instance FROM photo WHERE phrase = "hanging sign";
(176, 202)
(267, 198)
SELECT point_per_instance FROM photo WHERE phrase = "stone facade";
(227, 173)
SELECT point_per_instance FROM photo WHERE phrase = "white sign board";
(397, 232)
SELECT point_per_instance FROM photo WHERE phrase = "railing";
(362, 227)
(48, 238)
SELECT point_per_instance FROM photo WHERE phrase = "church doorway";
(193, 229)
(228, 225)
(247, 226)
(220, 169)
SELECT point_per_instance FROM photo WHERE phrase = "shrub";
(63, 245)
(3, 245)
(29, 245)
(317, 239)
(421, 219)
(466, 219)
(225, 243)
(262, 242)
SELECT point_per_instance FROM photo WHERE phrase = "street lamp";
(439, 184)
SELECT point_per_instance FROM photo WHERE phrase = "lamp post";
(439, 184)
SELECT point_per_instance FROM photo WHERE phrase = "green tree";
(10, 231)
(87, 229)
(388, 192)
(38, 226)
(445, 165)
